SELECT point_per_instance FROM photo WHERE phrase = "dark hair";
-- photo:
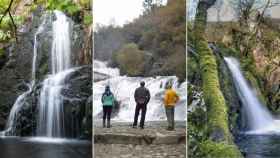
(107, 87)
(142, 83)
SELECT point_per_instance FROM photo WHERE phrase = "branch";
(8, 11)
(15, 26)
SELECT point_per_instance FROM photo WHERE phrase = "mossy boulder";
(220, 150)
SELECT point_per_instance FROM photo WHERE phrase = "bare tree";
(250, 14)
(150, 5)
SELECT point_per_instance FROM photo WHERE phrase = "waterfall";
(61, 47)
(50, 122)
(35, 49)
(10, 128)
(260, 121)
(123, 88)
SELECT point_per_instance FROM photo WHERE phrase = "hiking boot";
(108, 124)
(104, 124)
(169, 128)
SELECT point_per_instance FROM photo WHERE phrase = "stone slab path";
(123, 141)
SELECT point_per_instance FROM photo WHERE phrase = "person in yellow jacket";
(170, 100)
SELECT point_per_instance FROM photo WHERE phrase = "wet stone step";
(154, 133)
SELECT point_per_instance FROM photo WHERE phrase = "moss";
(227, 51)
(67, 6)
(192, 68)
(212, 149)
(214, 99)
(2, 53)
(255, 84)
(44, 69)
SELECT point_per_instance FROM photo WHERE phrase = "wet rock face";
(77, 102)
(26, 120)
(236, 120)
(77, 107)
(17, 70)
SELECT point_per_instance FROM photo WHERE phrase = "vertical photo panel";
(139, 89)
(46, 78)
(233, 78)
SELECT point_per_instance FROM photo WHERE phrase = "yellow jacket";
(170, 98)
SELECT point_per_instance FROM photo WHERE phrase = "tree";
(150, 5)
(8, 11)
(131, 60)
(250, 12)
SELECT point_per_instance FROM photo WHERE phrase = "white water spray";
(123, 88)
(61, 46)
(260, 119)
(51, 123)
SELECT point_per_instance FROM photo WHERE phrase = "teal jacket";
(108, 99)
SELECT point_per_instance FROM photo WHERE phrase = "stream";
(15, 147)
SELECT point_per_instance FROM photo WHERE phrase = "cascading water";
(260, 121)
(10, 125)
(123, 88)
(61, 46)
(51, 123)
(35, 49)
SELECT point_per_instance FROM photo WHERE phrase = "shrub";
(88, 19)
(131, 60)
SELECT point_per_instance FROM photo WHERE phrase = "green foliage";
(88, 19)
(85, 3)
(4, 36)
(212, 149)
(197, 131)
(67, 6)
(227, 51)
(130, 60)
(6, 27)
(4, 5)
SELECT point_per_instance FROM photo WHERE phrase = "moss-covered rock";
(219, 150)
(214, 99)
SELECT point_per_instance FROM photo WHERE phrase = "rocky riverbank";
(154, 141)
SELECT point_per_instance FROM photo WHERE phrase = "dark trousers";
(170, 116)
(143, 108)
(107, 110)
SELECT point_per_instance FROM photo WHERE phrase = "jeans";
(143, 108)
(170, 116)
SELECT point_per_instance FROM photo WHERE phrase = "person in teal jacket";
(108, 103)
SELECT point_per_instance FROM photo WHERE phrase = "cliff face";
(268, 68)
